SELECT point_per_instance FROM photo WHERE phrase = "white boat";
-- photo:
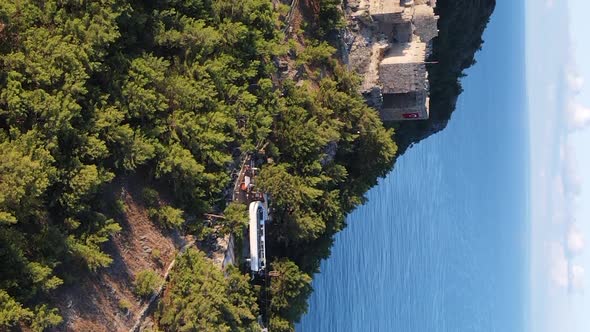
(258, 217)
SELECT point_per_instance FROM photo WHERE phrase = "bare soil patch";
(97, 301)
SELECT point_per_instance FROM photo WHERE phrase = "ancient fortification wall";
(387, 43)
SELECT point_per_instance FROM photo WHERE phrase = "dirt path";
(289, 20)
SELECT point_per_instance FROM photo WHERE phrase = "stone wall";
(387, 45)
(425, 23)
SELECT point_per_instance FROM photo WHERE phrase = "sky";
(558, 89)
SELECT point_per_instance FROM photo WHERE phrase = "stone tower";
(404, 83)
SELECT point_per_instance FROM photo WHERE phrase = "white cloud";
(565, 274)
(575, 82)
(578, 116)
(559, 266)
(575, 241)
(570, 177)
(576, 278)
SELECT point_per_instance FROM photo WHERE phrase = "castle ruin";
(392, 39)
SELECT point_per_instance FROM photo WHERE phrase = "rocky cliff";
(461, 27)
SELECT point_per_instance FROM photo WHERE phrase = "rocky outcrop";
(461, 25)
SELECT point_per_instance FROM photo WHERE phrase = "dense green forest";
(173, 90)
(201, 298)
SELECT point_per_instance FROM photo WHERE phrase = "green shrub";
(150, 197)
(146, 283)
(283, 9)
(11, 311)
(167, 216)
(119, 206)
(44, 318)
(124, 305)
(331, 16)
(156, 254)
(236, 218)
(317, 53)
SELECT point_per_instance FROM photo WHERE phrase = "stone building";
(404, 83)
(408, 26)
(425, 23)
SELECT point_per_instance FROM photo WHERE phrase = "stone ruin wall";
(373, 33)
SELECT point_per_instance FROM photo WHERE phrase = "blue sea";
(442, 244)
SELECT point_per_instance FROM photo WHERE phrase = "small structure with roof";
(404, 81)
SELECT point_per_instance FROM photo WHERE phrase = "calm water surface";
(442, 243)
